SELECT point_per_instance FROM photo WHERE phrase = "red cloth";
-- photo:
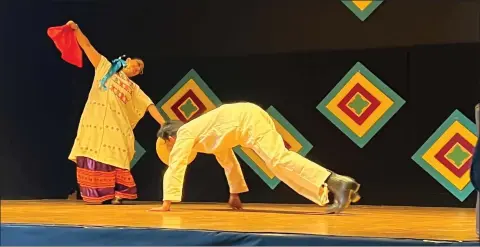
(66, 43)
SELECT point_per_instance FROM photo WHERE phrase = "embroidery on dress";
(122, 87)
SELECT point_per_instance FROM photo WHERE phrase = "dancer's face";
(134, 67)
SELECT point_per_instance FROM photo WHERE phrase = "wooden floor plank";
(361, 221)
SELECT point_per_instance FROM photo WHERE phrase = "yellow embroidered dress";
(104, 145)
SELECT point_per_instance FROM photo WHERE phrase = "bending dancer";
(248, 125)
(104, 146)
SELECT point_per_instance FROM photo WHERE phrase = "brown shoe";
(345, 190)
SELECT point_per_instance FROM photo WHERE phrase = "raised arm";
(85, 44)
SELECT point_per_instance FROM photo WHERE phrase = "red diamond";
(440, 156)
(188, 95)
(374, 103)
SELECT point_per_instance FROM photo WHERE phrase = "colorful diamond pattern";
(447, 154)
(362, 8)
(360, 104)
(188, 99)
(292, 139)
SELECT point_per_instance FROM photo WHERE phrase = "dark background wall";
(427, 51)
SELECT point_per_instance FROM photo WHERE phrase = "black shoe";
(106, 202)
(345, 190)
(354, 198)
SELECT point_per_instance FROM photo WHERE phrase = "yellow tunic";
(105, 131)
(245, 124)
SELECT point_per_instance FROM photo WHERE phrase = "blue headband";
(117, 65)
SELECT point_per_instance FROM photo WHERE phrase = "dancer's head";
(168, 132)
(134, 67)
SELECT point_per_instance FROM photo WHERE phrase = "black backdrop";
(243, 53)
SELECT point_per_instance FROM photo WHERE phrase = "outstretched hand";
(235, 202)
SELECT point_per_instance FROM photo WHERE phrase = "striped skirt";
(100, 182)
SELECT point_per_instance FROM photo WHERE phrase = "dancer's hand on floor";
(235, 202)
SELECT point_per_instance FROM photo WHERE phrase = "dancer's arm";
(85, 44)
(175, 174)
(144, 103)
(152, 109)
(234, 174)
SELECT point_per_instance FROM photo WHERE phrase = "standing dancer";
(245, 124)
(104, 146)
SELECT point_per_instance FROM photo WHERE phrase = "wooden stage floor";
(453, 224)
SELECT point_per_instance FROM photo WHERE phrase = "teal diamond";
(344, 126)
(364, 8)
(139, 152)
(456, 116)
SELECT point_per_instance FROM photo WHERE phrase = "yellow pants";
(302, 175)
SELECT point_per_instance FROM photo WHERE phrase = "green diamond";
(188, 108)
(458, 156)
(358, 104)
